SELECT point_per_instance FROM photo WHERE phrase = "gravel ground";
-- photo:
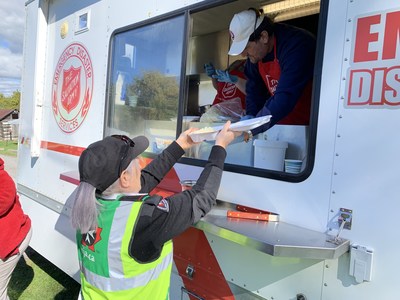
(10, 165)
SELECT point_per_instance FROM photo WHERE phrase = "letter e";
(364, 37)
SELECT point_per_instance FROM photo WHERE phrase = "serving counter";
(274, 238)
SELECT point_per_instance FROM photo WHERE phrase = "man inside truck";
(124, 235)
(279, 68)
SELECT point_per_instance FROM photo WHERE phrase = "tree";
(157, 92)
(11, 102)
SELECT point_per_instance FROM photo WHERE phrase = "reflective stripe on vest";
(111, 269)
(120, 284)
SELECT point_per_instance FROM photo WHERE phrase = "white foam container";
(269, 154)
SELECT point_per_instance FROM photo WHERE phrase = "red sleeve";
(7, 192)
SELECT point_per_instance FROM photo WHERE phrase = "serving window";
(283, 151)
(148, 96)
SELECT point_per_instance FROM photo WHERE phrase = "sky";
(12, 22)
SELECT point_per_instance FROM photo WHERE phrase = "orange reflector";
(253, 216)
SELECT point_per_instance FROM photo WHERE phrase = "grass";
(34, 276)
(9, 147)
(37, 278)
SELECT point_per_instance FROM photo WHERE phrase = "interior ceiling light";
(290, 9)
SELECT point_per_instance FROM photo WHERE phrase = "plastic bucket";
(269, 154)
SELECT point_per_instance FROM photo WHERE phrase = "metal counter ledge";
(274, 238)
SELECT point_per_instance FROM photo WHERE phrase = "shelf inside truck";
(274, 238)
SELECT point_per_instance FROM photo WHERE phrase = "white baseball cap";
(241, 28)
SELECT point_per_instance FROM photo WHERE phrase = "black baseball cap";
(102, 162)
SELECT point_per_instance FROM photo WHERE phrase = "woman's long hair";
(86, 208)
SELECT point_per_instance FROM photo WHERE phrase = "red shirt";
(228, 91)
(14, 224)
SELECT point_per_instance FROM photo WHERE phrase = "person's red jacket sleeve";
(8, 190)
(14, 224)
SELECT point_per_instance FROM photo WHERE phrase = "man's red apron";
(228, 91)
(270, 72)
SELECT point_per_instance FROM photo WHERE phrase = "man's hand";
(247, 136)
(224, 76)
(246, 117)
(184, 140)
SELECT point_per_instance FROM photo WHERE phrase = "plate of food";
(210, 133)
(205, 134)
(250, 123)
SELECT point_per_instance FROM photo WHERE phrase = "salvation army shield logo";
(229, 90)
(72, 87)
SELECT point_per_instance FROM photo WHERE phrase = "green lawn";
(37, 278)
(9, 147)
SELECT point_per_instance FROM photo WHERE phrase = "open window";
(147, 94)
(210, 42)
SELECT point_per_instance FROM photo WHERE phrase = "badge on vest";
(91, 238)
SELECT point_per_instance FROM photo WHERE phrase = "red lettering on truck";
(374, 74)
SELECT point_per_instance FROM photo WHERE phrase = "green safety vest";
(107, 270)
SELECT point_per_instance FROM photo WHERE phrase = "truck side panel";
(365, 168)
(355, 166)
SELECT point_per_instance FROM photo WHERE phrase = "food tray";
(211, 133)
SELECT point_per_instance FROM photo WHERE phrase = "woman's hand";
(226, 136)
(184, 140)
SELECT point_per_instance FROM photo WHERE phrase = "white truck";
(99, 67)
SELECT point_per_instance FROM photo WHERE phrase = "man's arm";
(296, 60)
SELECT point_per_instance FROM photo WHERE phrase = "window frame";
(186, 12)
